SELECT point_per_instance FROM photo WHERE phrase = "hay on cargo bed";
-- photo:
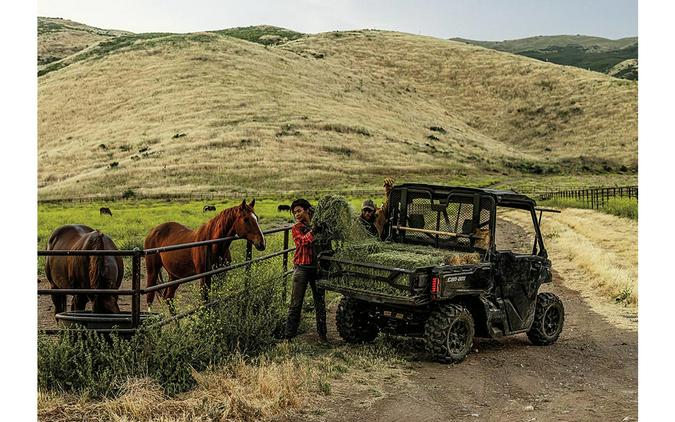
(403, 255)
(335, 223)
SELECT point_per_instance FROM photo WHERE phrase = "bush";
(623, 207)
(242, 321)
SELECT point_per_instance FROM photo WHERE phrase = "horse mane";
(97, 279)
(217, 226)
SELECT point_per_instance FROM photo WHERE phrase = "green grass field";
(132, 220)
(622, 207)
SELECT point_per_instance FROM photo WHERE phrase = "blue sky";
(476, 19)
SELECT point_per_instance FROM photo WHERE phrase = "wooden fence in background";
(593, 197)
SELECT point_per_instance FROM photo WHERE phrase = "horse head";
(246, 225)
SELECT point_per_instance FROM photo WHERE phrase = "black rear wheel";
(353, 322)
(448, 333)
(549, 317)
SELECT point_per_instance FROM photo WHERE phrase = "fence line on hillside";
(214, 197)
(594, 196)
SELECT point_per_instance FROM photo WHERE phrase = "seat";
(416, 221)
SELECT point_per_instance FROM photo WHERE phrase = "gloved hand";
(388, 185)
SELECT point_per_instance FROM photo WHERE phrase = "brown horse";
(239, 220)
(83, 272)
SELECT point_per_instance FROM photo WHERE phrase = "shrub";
(242, 320)
(623, 207)
(128, 194)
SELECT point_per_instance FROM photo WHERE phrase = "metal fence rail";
(593, 197)
(137, 291)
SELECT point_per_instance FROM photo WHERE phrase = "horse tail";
(96, 262)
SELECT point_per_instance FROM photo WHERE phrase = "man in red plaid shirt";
(305, 272)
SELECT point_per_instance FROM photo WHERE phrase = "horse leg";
(153, 266)
(79, 302)
(169, 294)
(59, 303)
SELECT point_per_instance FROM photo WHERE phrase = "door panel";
(518, 278)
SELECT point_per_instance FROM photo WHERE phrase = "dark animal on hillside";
(83, 272)
(239, 220)
(283, 208)
(104, 211)
(209, 208)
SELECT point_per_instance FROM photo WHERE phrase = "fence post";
(206, 286)
(136, 287)
(285, 265)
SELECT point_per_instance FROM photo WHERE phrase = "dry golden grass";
(513, 99)
(59, 38)
(281, 386)
(595, 254)
(279, 119)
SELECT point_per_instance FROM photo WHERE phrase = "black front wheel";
(549, 317)
(448, 333)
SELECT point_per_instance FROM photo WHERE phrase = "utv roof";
(501, 196)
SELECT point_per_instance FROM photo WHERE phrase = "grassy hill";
(627, 69)
(215, 113)
(593, 53)
(59, 38)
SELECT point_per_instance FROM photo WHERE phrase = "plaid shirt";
(303, 238)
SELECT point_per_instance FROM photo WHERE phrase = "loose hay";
(335, 224)
(395, 255)
(332, 220)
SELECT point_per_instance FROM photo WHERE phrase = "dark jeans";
(302, 277)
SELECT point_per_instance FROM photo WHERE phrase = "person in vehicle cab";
(305, 272)
(367, 217)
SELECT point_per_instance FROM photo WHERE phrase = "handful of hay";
(334, 220)
(331, 220)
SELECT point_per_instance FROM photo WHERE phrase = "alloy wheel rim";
(458, 335)
(551, 321)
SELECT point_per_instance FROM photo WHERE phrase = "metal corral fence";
(593, 197)
(137, 291)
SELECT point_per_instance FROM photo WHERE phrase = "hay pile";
(338, 226)
(402, 255)
(397, 255)
(335, 222)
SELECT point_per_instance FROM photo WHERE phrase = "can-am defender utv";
(449, 304)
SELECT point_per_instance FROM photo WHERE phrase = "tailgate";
(374, 282)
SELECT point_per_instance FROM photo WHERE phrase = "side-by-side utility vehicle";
(496, 294)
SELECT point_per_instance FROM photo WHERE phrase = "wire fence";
(595, 198)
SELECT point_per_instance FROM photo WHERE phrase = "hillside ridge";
(205, 112)
(586, 52)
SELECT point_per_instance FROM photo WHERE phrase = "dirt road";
(591, 373)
